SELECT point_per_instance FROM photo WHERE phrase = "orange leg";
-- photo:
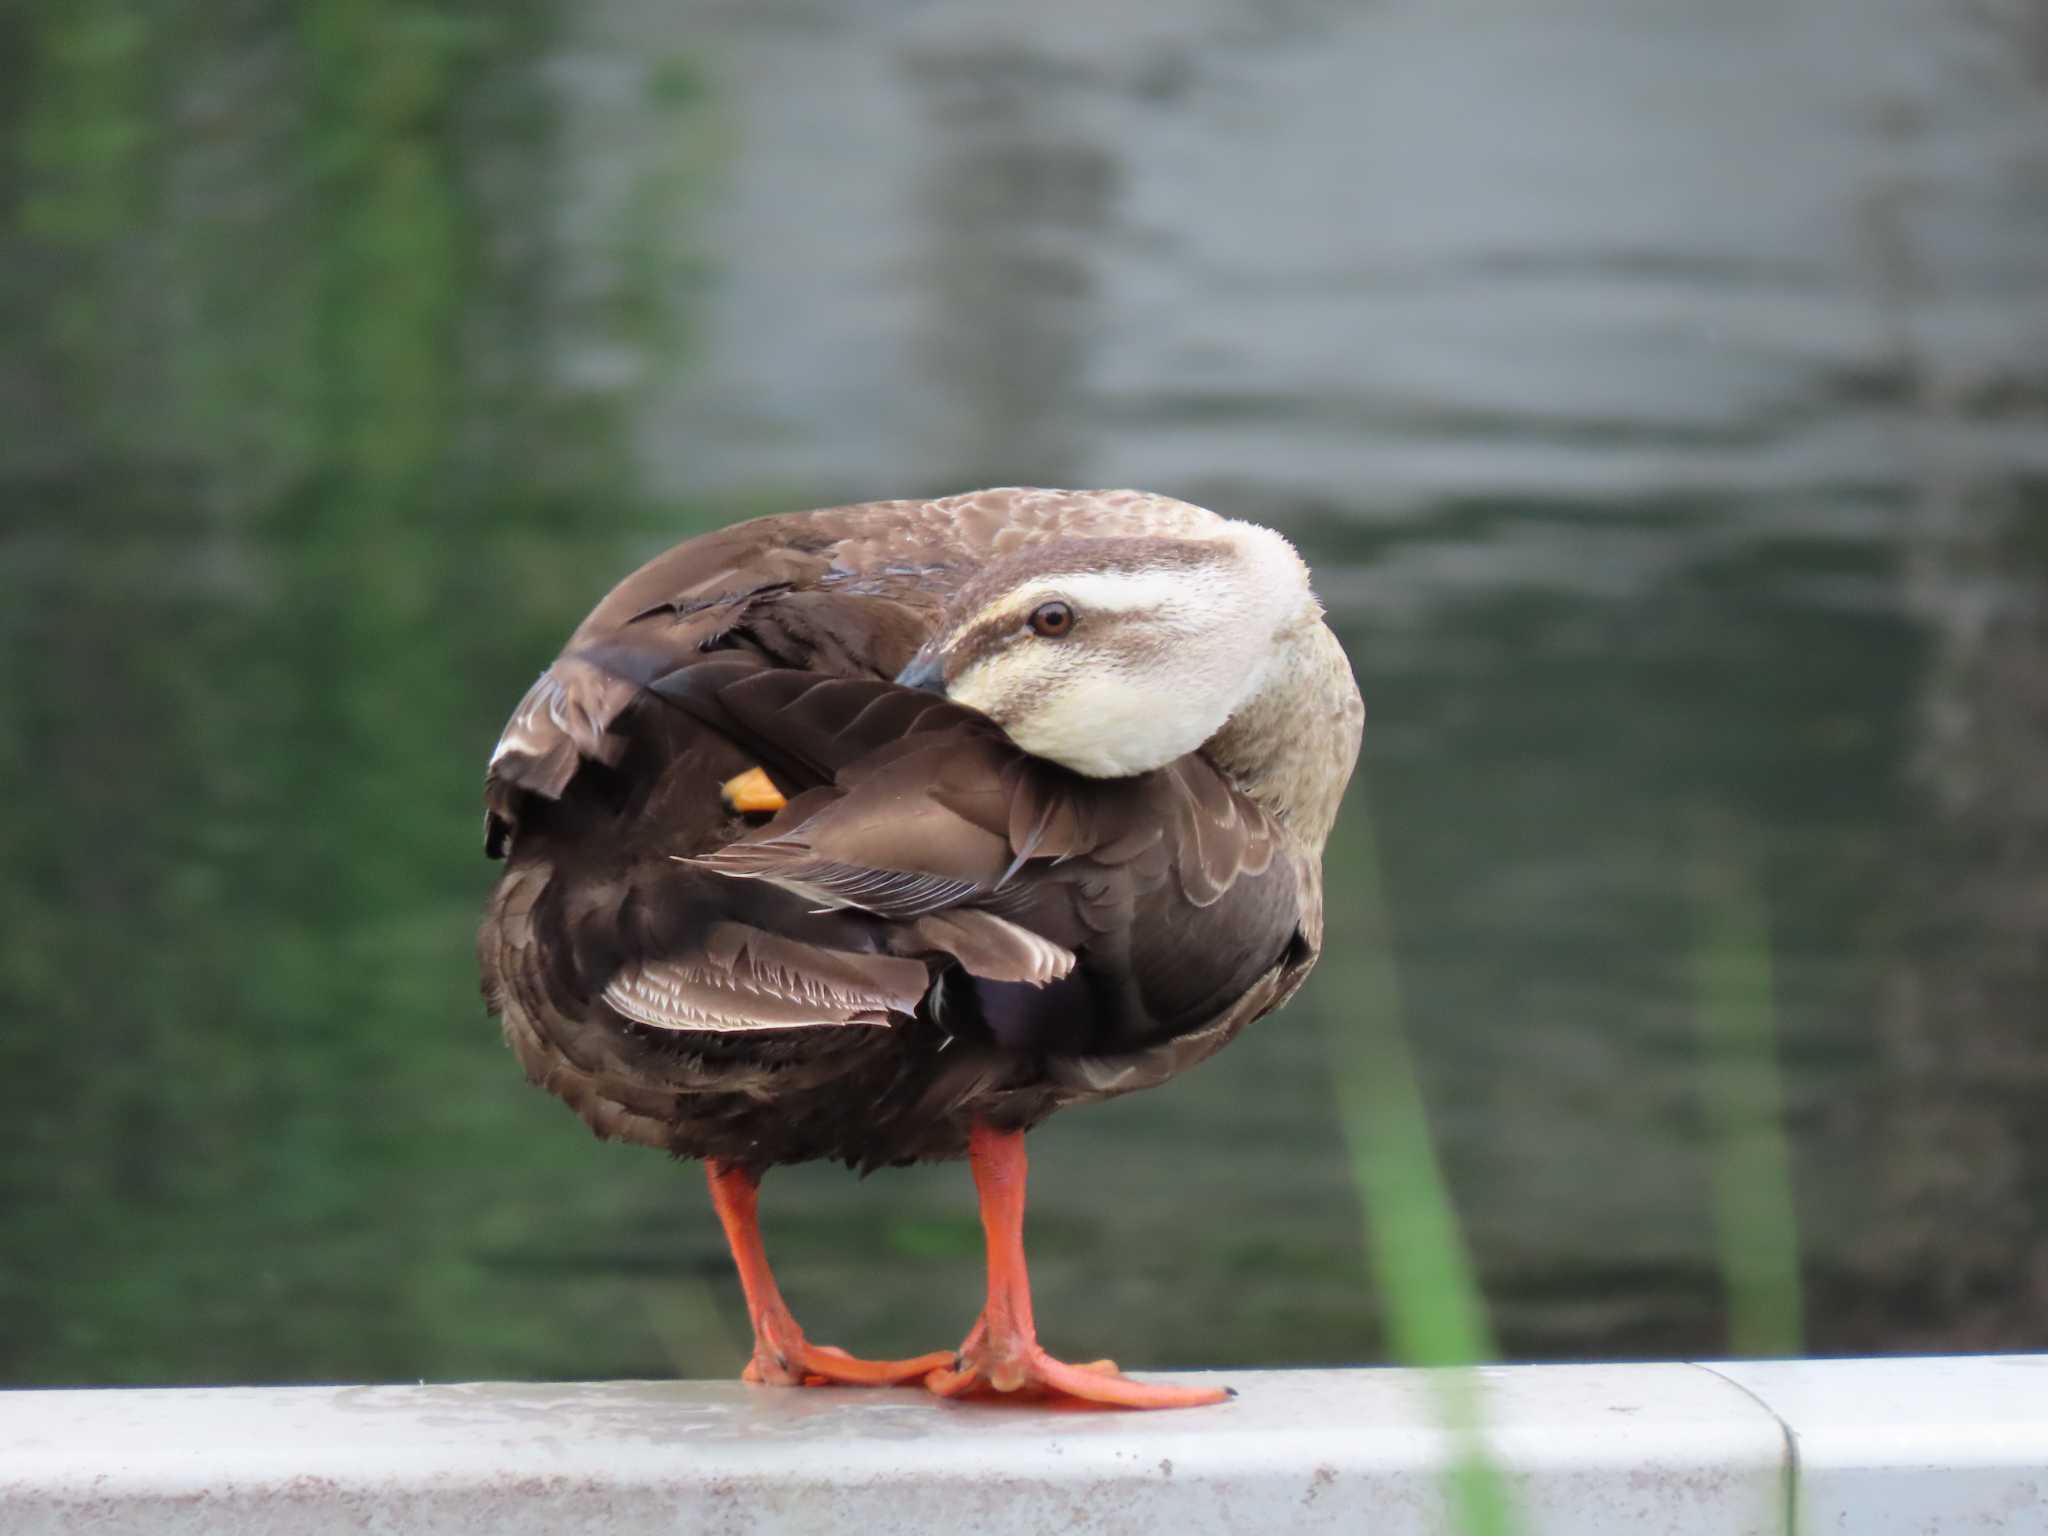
(1003, 1351)
(782, 1356)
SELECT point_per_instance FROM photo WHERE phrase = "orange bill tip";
(751, 793)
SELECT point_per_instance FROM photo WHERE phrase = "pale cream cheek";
(1015, 684)
(1097, 721)
(1108, 727)
(977, 688)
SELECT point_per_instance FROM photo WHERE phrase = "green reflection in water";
(1751, 1173)
(258, 638)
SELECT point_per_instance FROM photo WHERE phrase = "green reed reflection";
(1750, 1165)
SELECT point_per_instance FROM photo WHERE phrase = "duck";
(880, 833)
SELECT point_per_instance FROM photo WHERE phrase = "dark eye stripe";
(991, 634)
(971, 645)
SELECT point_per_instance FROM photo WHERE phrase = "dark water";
(1659, 389)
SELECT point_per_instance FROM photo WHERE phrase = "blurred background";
(1658, 387)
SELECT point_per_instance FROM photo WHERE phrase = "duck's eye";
(1051, 620)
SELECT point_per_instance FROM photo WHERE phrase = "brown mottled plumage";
(938, 931)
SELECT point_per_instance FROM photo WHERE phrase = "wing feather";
(1165, 888)
(744, 980)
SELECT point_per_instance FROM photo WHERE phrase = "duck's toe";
(1026, 1368)
(822, 1365)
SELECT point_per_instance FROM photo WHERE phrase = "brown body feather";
(937, 929)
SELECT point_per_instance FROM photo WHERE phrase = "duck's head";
(1114, 656)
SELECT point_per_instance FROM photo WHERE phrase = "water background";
(1659, 389)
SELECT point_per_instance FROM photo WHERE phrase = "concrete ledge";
(1891, 1447)
(1881, 1446)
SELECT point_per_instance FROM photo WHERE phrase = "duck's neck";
(1292, 743)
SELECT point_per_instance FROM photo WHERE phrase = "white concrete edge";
(1875, 1446)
